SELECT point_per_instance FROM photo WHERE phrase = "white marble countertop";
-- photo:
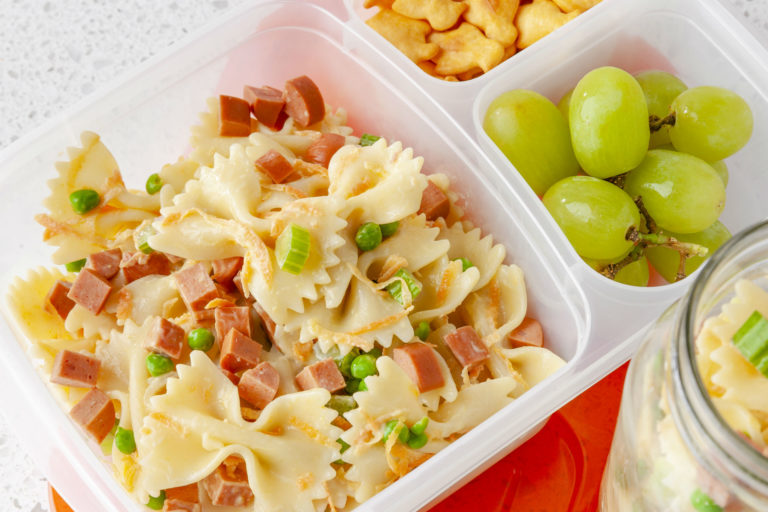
(54, 53)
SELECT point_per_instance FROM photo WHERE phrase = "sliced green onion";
(84, 200)
(341, 403)
(75, 266)
(353, 386)
(367, 139)
(158, 364)
(390, 426)
(363, 366)
(156, 503)
(142, 239)
(752, 341)
(345, 362)
(389, 229)
(417, 441)
(420, 426)
(125, 441)
(703, 503)
(368, 236)
(154, 184)
(292, 248)
(344, 447)
(465, 263)
(106, 444)
(375, 352)
(395, 288)
(422, 331)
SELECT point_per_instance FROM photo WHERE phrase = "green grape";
(533, 135)
(681, 193)
(666, 261)
(595, 216)
(633, 274)
(609, 122)
(722, 170)
(711, 123)
(660, 90)
(564, 104)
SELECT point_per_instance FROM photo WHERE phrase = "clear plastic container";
(672, 448)
(593, 323)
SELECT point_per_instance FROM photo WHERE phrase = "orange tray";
(557, 470)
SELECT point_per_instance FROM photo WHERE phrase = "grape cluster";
(630, 167)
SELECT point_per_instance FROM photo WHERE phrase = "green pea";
(200, 339)
(345, 362)
(156, 503)
(367, 139)
(422, 331)
(353, 385)
(420, 426)
(158, 364)
(362, 386)
(389, 229)
(368, 236)
(125, 441)
(341, 403)
(465, 263)
(75, 266)
(375, 352)
(404, 434)
(363, 366)
(154, 184)
(417, 441)
(84, 200)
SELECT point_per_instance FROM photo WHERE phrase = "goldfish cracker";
(407, 34)
(538, 19)
(576, 5)
(382, 4)
(441, 14)
(495, 17)
(465, 48)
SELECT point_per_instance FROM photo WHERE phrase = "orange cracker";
(382, 4)
(538, 19)
(465, 48)
(407, 34)
(576, 5)
(495, 17)
(441, 14)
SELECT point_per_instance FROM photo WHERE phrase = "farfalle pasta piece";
(495, 17)
(26, 300)
(152, 295)
(444, 287)
(498, 308)
(206, 141)
(538, 19)
(83, 323)
(366, 178)
(481, 252)
(287, 451)
(464, 49)
(533, 364)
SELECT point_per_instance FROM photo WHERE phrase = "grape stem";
(644, 240)
(656, 122)
(618, 180)
(649, 222)
(610, 270)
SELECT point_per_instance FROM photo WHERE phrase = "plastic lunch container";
(591, 322)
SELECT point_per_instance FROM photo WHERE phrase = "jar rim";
(729, 446)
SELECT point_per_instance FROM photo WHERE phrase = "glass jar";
(672, 450)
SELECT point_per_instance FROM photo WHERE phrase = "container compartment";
(145, 122)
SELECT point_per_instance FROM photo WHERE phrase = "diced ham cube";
(527, 334)
(467, 346)
(75, 370)
(322, 149)
(225, 270)
(196, 287)
(105, 263)
(137, 265)
(259, 385)
(95, 413)
(165, 337)
(266, 102)
(434, 202)
(266, 322)
(233, 378)
(323, 374)
(303, 101)
(90, 290)
(57, 301)
(419, 362)
(238, 317)
(228, 484)
(234, 117)
(239, 352)
(275, 165)
(182, 499)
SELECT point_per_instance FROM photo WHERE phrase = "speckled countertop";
(53, 54)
